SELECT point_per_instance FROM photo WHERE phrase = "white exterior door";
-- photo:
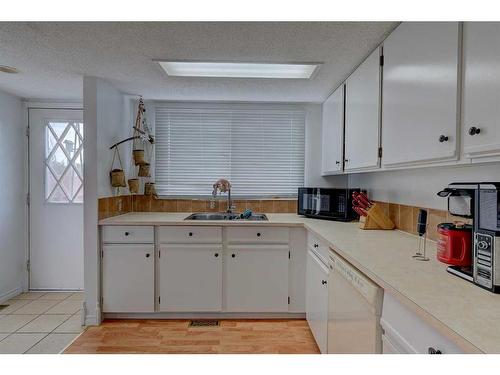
(56, 199)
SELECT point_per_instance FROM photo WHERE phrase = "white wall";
(12, 190)
(104, 115)
(313, 151)
(113, 126)
(418, 187)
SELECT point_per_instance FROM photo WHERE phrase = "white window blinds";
(258, 148)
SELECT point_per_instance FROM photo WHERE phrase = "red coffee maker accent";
(454, 245)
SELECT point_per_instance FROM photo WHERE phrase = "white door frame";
(26, 107)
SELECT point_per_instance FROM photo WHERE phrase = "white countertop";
(462, 311)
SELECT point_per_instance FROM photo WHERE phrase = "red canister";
(454, 245)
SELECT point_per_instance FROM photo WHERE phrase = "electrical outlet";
(212, 204)
(120, 205)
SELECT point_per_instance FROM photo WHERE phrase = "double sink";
(225, 216)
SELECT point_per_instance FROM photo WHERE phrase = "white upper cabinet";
(362, 116)
(481, 96)
(420, 88)
(333, 133)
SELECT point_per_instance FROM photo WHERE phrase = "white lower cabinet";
(128, 278)
(256, 278)
(190, 278)
(404, 332)
(317, 299)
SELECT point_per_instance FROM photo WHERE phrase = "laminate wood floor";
(176, 337)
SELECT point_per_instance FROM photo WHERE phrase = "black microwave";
(326, 203)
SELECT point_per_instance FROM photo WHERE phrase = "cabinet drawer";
(127, 234)
(190, 234)
(258, 235)
(409, 332)
(318, 247)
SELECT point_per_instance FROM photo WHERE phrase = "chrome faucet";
(222, 185)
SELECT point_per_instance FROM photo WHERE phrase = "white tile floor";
(40, 322)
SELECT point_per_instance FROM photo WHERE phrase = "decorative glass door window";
(63, 162)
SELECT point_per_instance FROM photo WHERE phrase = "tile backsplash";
(114, 206)
(403, 216)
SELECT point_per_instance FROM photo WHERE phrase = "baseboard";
(221, 315)
(10, 294)
(91, 320)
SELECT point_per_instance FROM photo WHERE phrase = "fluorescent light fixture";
(238, 70)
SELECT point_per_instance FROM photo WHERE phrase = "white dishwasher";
(354, 309)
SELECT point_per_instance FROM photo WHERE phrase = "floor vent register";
(204, 323)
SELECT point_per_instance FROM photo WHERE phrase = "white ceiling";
(53, 57)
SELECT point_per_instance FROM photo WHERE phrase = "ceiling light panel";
(238, 70)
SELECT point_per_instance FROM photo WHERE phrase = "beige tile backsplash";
(403, 216)
(114, 206)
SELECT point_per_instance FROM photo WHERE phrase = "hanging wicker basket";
(149, 189)
(117, 178)
(117, 175)
(134, 185)
(139, 157)
(144, 170)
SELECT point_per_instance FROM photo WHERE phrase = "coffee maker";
(479, 201)
(486, 260)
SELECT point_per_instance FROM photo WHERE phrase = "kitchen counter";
(456, 308)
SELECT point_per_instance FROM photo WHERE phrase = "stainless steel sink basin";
(224, 216)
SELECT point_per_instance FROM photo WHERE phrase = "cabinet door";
(481, 89)
(362, 115)
(190, 278)
(333, 133)
(256, 278)
(420, 88)
(317, 299)
(128, 278)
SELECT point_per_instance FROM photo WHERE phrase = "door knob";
(473, 130)
(216, 255)
(316, 245)
(443, 138)
(147, 255)
(323, 282)
(190, 234)
(258, 234)
(127, 233)
(337, 162)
